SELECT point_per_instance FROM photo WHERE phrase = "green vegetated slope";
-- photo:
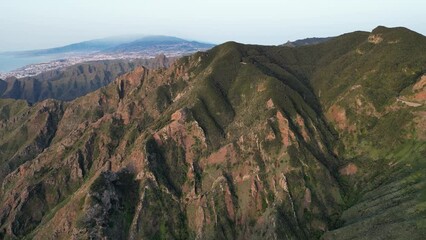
(240, 142)
(74, 81)
(382, 138)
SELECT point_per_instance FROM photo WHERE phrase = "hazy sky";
(32, 24)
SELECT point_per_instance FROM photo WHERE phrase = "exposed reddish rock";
(307, 198)
(349, 170)
(200, 218)
(256, 188)
(179, 115)
(270, 136)
(337, 115)
(420, 96)
(420, 84)
(133, 78)
(286, 134)
(228, 203)
(283, 183)
(301, 123)
(222, 155)
(186, 134)
(270, 104)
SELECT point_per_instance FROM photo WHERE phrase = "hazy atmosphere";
(53, 23)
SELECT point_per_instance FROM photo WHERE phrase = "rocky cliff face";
(240, 142)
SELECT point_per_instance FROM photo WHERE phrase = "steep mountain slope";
(240, 142)
(74, 81)
(377, 102)
(26, 131)
(191, 156)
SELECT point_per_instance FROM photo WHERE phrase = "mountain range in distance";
(146, 44)
(30, 63)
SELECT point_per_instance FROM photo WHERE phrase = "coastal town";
(35, 69)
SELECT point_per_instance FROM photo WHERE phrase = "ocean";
(9, 62)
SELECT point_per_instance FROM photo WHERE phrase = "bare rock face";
(338, 116)
(110, 198)
(375, 38)
(348, 170)
(420, 85)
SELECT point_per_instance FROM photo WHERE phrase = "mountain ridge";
(74, 81)
(306, 41)
(241, 141)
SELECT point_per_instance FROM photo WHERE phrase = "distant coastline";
(31, 63)
(11, 62)
(29, 70)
